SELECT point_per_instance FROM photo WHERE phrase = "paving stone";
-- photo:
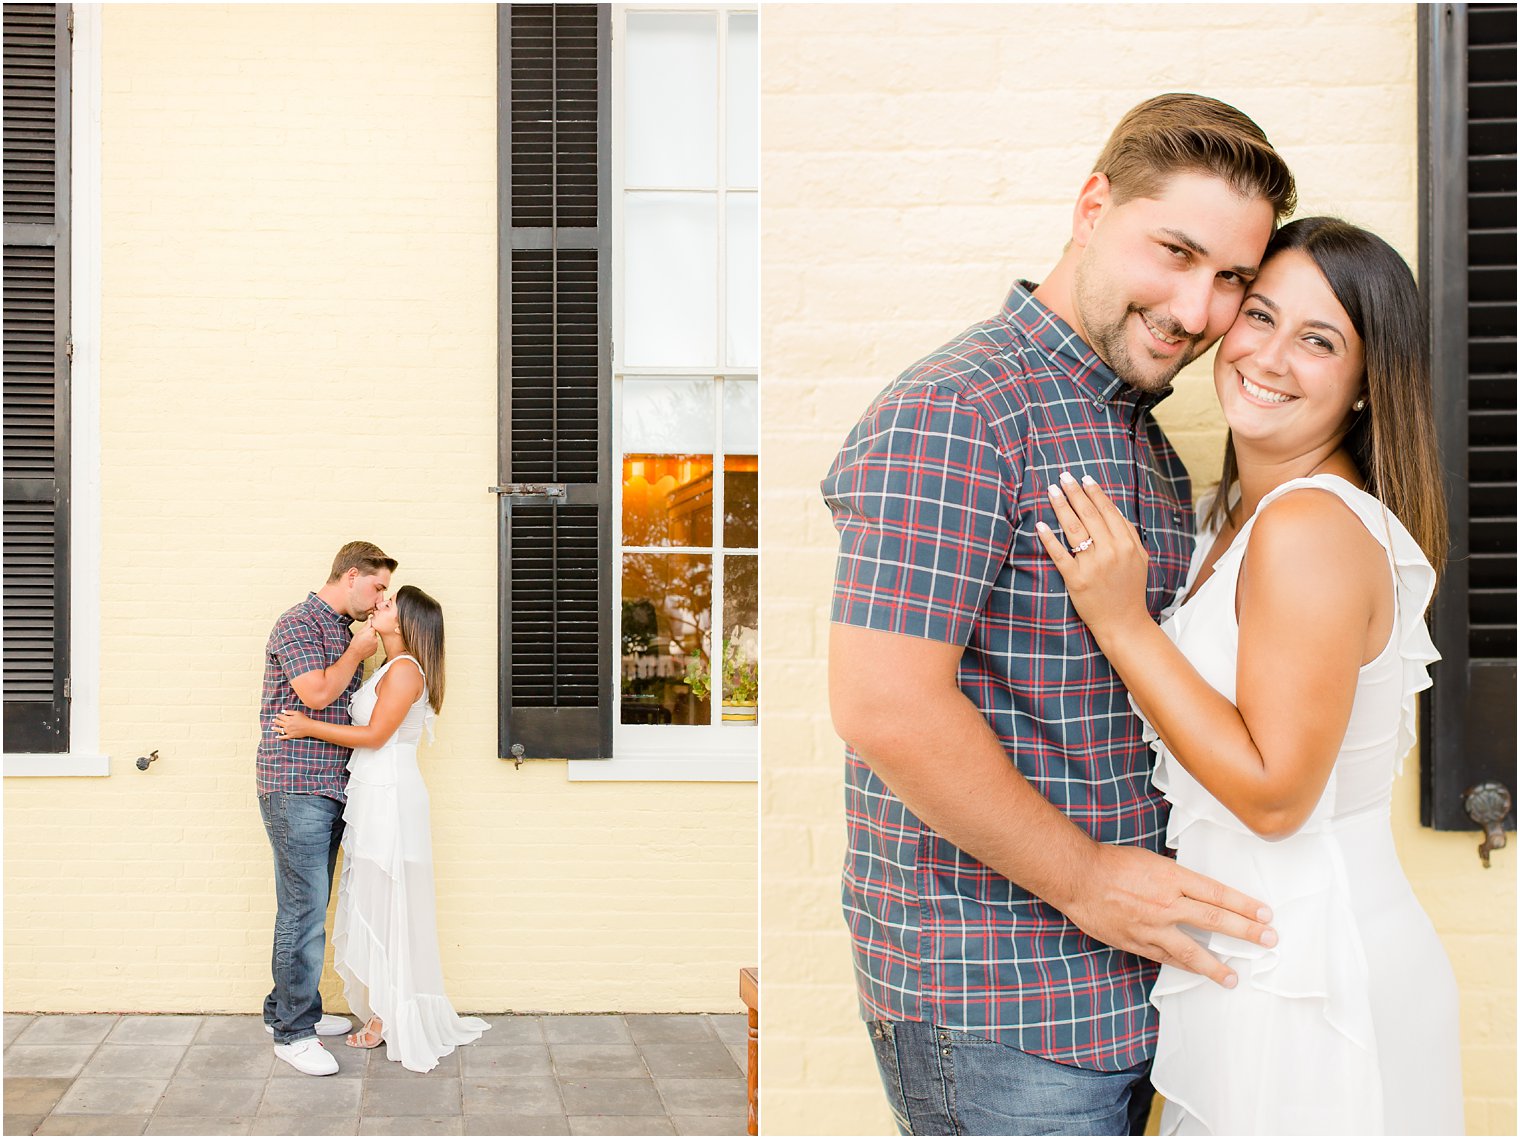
(731, 1028)
(513, 1095)
(740, 1053)
(306, 1125)
(187, 1095)
(711, 1124)
(353, 1063)
(696, 1060)
(382, 1068)
(93, 1125)
(610, 1097)
(585, 1030)
(47, 1059)
(620, 1125)
(33, 1095)
(232, 1030)
(312, 1096)
(92, 1095)
(202, 1125)
(511, 1030)
(516, 1125)
(386, 1098)
(411, 1125)
(668, 1029)
(152, 1061)
(26, 1124)
(703, 1097)
(14, 1023)
(91, 1029)
(228, 1062)
(606, 1060)
(155, 1030)
(512, 1060)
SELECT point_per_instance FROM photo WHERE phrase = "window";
(685, 354)
(51, 300)
(630, 333)
(1467, 269)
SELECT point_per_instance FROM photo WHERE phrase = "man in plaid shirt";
(312, 662)
(1004, 885)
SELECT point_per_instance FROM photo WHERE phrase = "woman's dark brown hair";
(1393, 439)
(420, 620)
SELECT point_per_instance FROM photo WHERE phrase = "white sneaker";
(331, 1024)
(308, 1057)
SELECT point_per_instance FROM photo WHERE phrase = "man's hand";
(365, 641)
(1134, 899)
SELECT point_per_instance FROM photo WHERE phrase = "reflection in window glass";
(666, 639)
(741, 638)
(667, 500)
(670, 416)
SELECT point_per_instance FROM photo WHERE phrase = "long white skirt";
(385, 934)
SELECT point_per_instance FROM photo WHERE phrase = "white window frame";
(84, 756)
(711, 752)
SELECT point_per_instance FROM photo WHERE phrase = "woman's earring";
(1359, 405)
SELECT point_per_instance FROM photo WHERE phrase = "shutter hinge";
(68, 689)
(68, 349)
(71, 21)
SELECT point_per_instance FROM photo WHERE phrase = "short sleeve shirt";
(307, 637)
(935, 494)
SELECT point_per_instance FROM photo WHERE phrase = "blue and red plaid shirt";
(307, 637)
(935, 495)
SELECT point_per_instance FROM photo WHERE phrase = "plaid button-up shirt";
(307, 637)
(935, 495)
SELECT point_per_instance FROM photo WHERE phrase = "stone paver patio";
(105, 1074)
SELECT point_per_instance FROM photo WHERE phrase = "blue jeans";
(941, 1081)
(305, 832)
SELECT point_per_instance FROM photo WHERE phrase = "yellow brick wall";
(299, 345)
(917, 160)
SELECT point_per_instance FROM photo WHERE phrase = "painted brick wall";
(299, 345)
(917, 160)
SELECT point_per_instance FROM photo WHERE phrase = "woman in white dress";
(385, 935)
(1280, 697)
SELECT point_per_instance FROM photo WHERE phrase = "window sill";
(54, 765)
(702, 760)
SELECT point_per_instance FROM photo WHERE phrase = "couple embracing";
(337, 766)
(1024, 613)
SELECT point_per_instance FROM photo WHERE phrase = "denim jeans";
(305, 832)
(941, 1081)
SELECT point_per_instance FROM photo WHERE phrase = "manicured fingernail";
(1231, 981)
(1268, 938)
(1055, 492)
(1088, 480)
(1042, 528)
(1066, 477)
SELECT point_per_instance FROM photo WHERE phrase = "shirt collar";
(1084, 367)
(326, 611)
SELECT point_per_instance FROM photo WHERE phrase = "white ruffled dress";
(385, 934)
(1349, 1025)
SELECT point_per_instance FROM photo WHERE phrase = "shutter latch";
(530, 491)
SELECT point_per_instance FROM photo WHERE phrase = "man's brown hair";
(1181, 133)
(366, 557)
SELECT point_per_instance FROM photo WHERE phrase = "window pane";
(741, 417)
(667, 606)
(672, 416)
(670, 280)
(743, 349)
(741, 467)
(741, 638)
(743, 117)
(671, 111)
(667, 500)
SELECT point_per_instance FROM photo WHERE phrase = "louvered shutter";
(556, 623)
(1468, 271)
(36, 294)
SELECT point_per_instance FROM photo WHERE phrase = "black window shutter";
(1467, 268)
(557, 695)
(36, 314)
